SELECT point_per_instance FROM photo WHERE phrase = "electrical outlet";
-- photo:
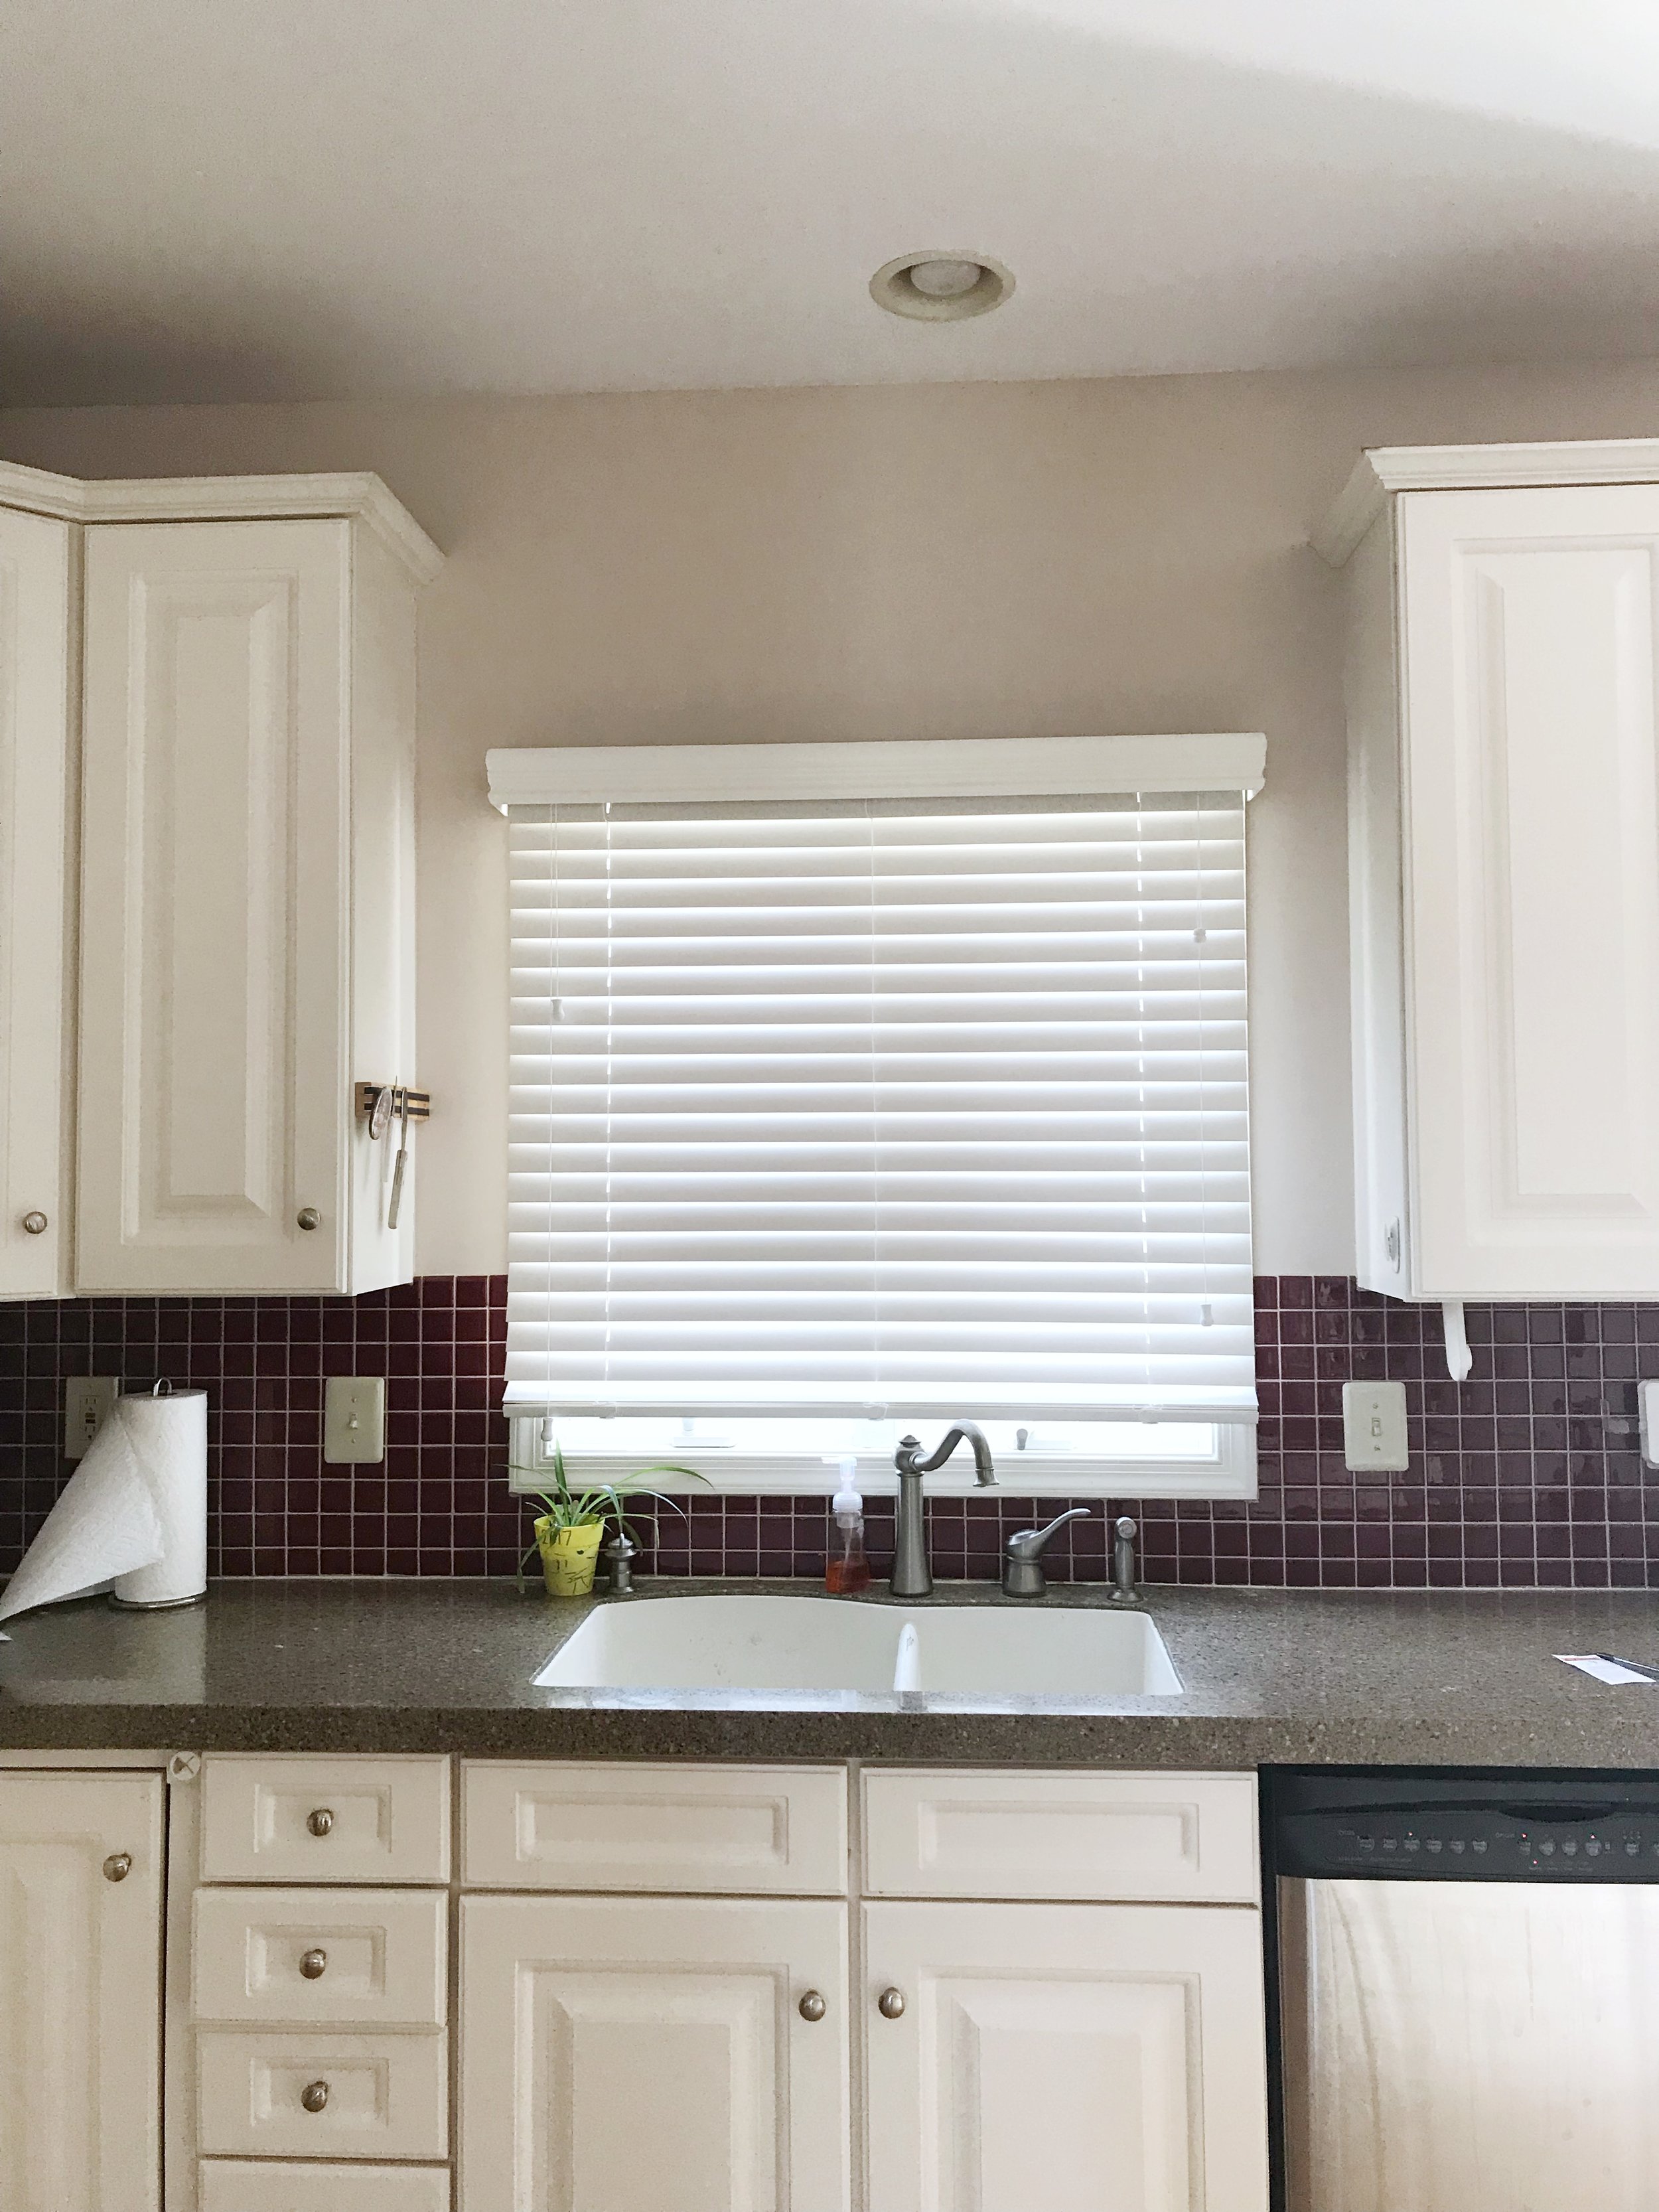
(354, 1419)
(1374, 1426)
(87, 1401)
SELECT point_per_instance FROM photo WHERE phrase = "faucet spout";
(908, 1461)
(912, 1575)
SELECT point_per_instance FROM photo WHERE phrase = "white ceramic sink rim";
(758, 1642)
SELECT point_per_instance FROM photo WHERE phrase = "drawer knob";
(308, 1217)
(35, 1224)
(890, 2004)
(118, 1866)
(315, 2096)
(313, 1965)
(812, 2005)
(319, 1822)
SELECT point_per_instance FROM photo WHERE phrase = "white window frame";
(1226, 1466)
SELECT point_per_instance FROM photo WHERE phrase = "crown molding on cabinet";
(1383, 470)
(357, 494)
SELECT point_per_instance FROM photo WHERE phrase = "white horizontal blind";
(933, 1109)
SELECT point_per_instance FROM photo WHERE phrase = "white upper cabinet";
(36, 1002)
(247, 918)
(207, 771)
(1503, 675)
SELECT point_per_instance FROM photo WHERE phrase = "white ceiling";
(223, 200)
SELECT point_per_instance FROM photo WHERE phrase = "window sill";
(1229, 1470)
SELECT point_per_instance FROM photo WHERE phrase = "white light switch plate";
(1374, 1426)
(87, 1400)
(1647, 1400)
(354, 1418)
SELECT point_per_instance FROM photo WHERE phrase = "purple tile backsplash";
(1529, 1474)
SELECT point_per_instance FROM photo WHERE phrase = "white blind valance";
(842, 1107)
(857, 769)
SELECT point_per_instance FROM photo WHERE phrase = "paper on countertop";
(104, 1524)
(1601, 1668)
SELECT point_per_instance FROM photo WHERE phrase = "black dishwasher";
(1467, 1970)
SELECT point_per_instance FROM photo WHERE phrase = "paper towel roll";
(132, 1517)
(168, 1435)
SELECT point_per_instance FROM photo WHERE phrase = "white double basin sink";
(807, 1643)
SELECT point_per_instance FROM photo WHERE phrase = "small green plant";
(602, 1503)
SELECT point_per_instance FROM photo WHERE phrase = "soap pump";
(849, 1570)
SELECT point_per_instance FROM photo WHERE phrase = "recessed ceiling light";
(941, 287)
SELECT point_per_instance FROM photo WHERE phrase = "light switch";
(1374, 1426)
(1647, 1402)
(88, 1401)
(354, 1418)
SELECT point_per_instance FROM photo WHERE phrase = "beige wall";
(952, 561)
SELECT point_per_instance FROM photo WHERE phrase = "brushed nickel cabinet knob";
(308, 1217)
(890, 2004)
(811, 2006)
(320, 1822)
(313, 1965)
(315, 2096)
(118, 1866)
(35, 1224)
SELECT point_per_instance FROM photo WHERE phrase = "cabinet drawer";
(387, 2096)
(325, 1820)
(1129, 1838)
(758, 1830)
(368, 1958)
(240, 2185)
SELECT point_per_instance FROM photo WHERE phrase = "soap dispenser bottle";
(849, 1570)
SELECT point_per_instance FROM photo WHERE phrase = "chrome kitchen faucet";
(912, 1575)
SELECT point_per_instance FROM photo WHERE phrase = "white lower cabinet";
(81, 1890)
(653, 2055)
(319, 2008)
(322, 2096)
(1064, 2058)
(236, 2185)
(881, 2038)
(1011, 2052)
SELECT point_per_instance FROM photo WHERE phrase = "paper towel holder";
(160, 1388)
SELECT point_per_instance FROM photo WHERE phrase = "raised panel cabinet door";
(34, 980)
(1071, 2057)
(80, 1992)
(653, 2055)
(1531, 776)
(216, 929)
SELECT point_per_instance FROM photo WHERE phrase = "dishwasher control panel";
(1474, 1828)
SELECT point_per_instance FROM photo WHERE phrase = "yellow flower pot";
(569, 1557)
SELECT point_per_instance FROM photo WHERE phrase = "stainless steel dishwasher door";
(1470, 2047)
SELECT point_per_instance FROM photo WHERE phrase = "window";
(836, 1115)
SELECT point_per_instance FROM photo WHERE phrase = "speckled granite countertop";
(1271, 1677)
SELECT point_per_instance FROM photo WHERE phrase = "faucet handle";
(1022, 1555)
(1029, 1543)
